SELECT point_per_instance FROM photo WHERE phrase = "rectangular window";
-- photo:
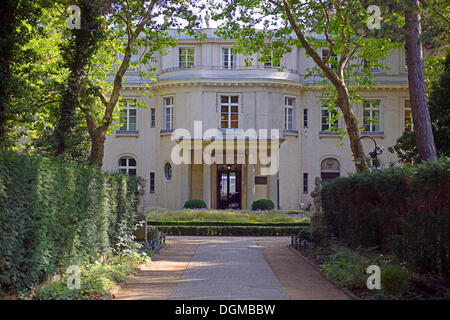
(229, 114)
(329, 118)
(305, 183)
(371, 65)
(261, 180)
(332, 62)
(127, 116)
(152, 182)
(152, 117)
(272, 63)
(229, 58)
(168, 113)
(371, 115)
(305, 118)
(289, 104)
(409, 126)
(186, 57)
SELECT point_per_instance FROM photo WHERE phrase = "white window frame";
(168, 112)
(229, 105)
(152, 187)
(371, 124)
(187, 48)
(127, 109)
(331, 57)
(329, 123)
(127, 167)
(232, 63)
(305, 118)
(404, 116)
(269, 64)
(152, 117)
(289, 125)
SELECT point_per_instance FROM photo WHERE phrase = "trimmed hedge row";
(405, 211)
(53, 215)
(222, 223)
(228, 231)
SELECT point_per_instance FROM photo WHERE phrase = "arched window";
(330, 169)
(127, 165)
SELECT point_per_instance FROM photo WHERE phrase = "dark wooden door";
(229, 187)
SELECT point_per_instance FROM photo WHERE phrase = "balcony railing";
(251, 68)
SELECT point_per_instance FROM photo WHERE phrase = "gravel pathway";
(229, 268)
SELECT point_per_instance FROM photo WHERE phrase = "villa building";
(206, 85)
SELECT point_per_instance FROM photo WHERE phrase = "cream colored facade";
(261, 94)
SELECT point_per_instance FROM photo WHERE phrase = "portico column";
(207, 184)
(250, 185)
(184, 183)
(273, 189)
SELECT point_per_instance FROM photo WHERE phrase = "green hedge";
(405, 211)
(228, 231)
(231, 224)
(195, 204)
(53, 215)
(263, 204)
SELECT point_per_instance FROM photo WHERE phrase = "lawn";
(237, 216)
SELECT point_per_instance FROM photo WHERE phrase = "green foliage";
(214, 215)
(223, 223)
(394, 279)
(400, 210)
(153, 233)
(180, 230)
(53, 215)
(305, 233)
(96, 279)
(195, 204)
(263, 204)
(405, 148)
(439, 106)
(438, 103)
(345, 268)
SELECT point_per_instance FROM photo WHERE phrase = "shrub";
(404, 211)
(263, 204)
(346, 268)
(153, 233)
(394, 279)
(195, 204)
(227, 230)
(53, 215)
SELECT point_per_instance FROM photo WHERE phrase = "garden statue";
(318, 219)
(140, 194)
(207, 18)
(317, 195)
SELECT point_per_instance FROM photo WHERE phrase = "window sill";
(373, 134)
(124, 133)
(165, 131)
(327, 134)
(290, 132)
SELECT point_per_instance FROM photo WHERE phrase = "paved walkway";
(229, 268)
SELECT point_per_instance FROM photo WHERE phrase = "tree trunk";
(78, 54)
(416, 79)
(351, 122)
(98, 148)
